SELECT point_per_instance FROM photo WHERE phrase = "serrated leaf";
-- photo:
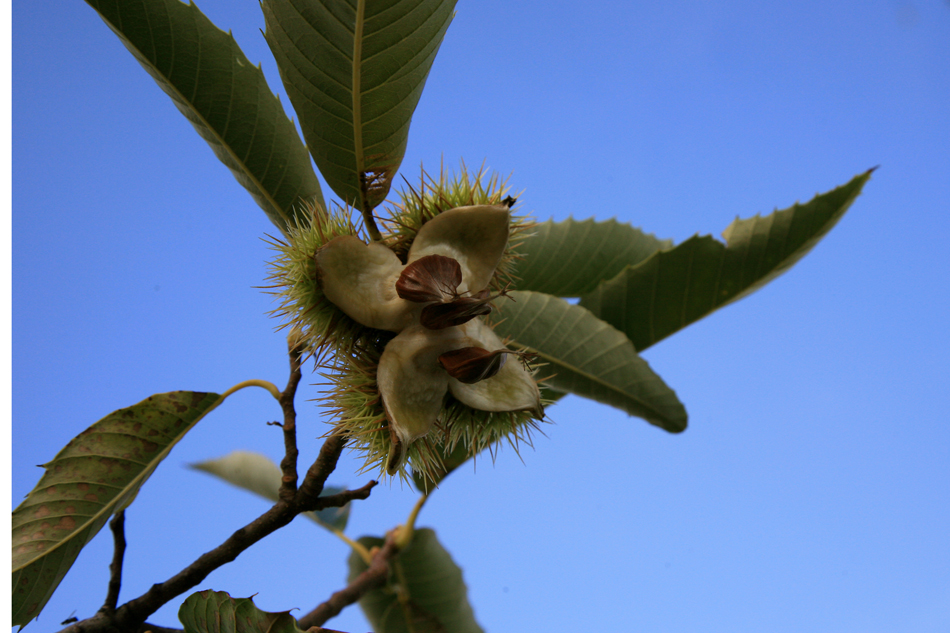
(223, 95)
(354, 71)
(99, 472)
(260, 475)
(588, 357)
(217, 612)
(425, 593)
(676, 287)
(569, 258)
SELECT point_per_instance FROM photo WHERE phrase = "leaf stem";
(254, 382)
(369, 222)
(357, 547)
(404, 536)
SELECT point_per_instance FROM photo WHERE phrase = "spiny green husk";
(317, 322)
(419, 204)
(293, 272)
(357, 412)
(348, 352)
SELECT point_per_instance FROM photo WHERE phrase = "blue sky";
(812, 489)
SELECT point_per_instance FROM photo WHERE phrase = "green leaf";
(98, 473)
(676, 287)
(588, 357)
(569, 258)
(354, 72)
(223, 95)
(425, 593)
(217, 612)
(258, 474)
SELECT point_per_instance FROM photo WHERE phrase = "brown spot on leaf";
(375, 183)
(149, 446)
(66, 523)
(51, 490)
(71, 509)
(91, 497)
(83, 486)
(38, 535)
(41, 511)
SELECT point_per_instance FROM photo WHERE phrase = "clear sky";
(812, 489)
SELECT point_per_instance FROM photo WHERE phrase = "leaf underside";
(426, 592)
(679, 286)
(217, 612)
(569, 258)
(588, 357)
(223, 95)
(96, 474)
(258, 474)
(354, 71)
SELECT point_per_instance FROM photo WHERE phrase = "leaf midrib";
(560, 362)
(356, 91)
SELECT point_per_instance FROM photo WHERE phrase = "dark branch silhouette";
(131, 616)
(117, 525)
(288, 465)
(375, 576)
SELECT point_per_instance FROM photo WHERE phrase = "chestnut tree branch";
(375, 576)
(130, 617)
(312, 484)
(288, 465)
(342, 498)
(282, 513)
(117, 525)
